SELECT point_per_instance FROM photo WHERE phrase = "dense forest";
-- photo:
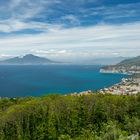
(59, 117)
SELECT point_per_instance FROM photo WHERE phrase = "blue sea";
(61, 79)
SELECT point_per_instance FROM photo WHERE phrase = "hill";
(128, 66)
(28, 59)
(130, 62)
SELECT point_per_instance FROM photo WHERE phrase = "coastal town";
(128, 86)
(129, 70)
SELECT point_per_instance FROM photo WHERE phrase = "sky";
(70, 29)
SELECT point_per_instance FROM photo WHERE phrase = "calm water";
(39, 80)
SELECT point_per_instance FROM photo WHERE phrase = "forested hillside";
(130, 62)
(57, 117)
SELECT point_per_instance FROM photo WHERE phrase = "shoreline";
(116, 72)
(127, 86)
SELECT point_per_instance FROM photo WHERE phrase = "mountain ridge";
(130, 61)
(28, 59)
(128, 66)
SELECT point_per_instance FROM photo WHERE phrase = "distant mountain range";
(106, 60)
(128, 66)
(95, 60)
(28, 59)
(31, 59)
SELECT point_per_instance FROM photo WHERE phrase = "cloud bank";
(90, 41)
(69, 29)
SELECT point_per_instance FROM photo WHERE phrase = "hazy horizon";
(88, 61)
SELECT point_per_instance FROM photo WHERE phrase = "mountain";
(28, 59)
(130, 62)
(128, 66)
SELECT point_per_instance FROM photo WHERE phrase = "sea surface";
(61, 79)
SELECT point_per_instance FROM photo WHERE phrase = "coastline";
(127, 86)
(114, 72)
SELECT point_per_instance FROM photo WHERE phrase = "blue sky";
(70, 29)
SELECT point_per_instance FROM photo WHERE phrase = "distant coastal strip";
(127, 86)
(128, 66)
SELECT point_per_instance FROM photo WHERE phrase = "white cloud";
(12, 25)
(100, 40)
(51, 52)
(23, 9)
(5, 56)
(18, 15)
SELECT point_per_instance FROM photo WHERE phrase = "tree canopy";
(58, 117)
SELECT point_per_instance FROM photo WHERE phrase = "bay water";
(20, 81)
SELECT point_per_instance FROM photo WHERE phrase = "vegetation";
(57, 117)
(130, 62)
